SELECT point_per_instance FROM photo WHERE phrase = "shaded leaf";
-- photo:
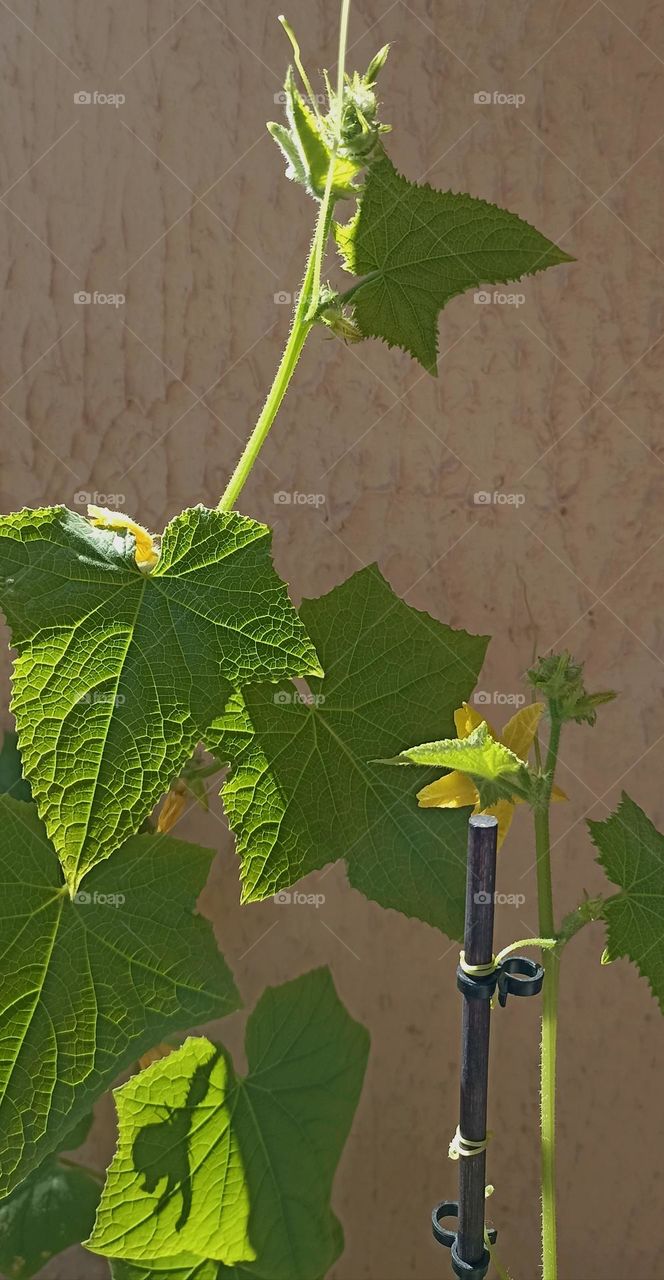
(52, 1209)
(12, 782)
(305, 788)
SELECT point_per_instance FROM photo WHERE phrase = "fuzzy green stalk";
(551, 962)
(305, 313)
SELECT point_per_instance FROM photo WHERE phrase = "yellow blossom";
(146, 552)
(173, 807)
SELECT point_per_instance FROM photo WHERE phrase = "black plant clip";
(513, 976)
(464, 1270)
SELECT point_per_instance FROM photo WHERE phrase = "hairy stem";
(307, 307)
(299, 333)
(551, 962)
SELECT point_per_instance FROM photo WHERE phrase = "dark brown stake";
(478, 946)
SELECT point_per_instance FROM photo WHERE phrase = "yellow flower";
(173, 807)
(456, 790)
(146, 552)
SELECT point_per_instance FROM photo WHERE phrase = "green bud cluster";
(559, 679)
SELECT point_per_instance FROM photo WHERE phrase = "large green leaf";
(417, 247)
(631, 850)
(120, 671)
(305, 788)
(214, 1166)
(88, 985)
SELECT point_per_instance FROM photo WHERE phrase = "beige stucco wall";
(177, 199)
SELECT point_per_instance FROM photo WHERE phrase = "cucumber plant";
(145, 663)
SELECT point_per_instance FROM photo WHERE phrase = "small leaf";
(88, 985)
(305, 789)
(479, 754)
(119, 672)
(214, 1166)
(497, 772)
(631, 851)
(417, 247)
(306, 150)
(52, 1209)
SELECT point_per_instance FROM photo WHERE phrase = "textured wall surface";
(176, 199)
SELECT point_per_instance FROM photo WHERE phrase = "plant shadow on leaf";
(250, 1194)
(162, 1150)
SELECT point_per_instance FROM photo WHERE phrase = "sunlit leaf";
(120, 671)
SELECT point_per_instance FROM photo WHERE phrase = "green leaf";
(305, 788)
(52, 1209)
(479, 754)
(306, 151)
(12, 782)
(214, 1166)
(417, 247)
(496, 771)
(631, 851)
(119, 672)
(88, 985)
